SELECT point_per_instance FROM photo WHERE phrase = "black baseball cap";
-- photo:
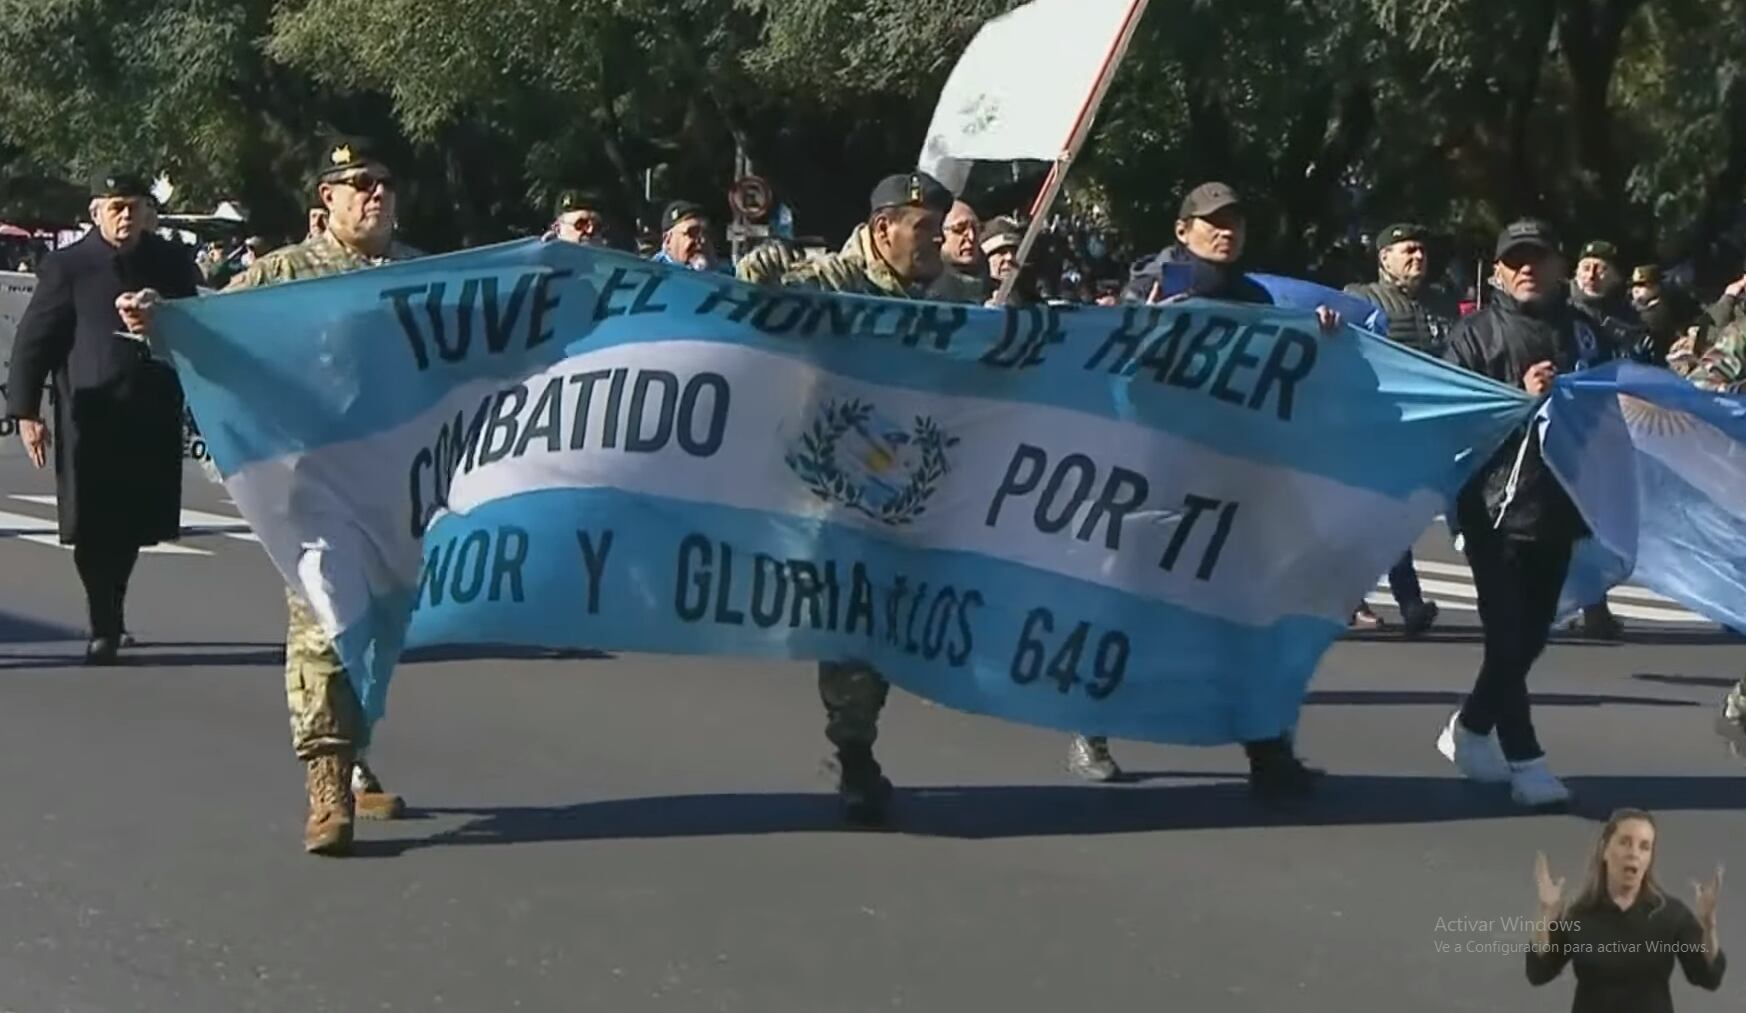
(1526, 232)
(1208, 198)
(118, 183)
(1401, 232)
(345, 155)
(680, 210)
(1600, 249)
(912, 189)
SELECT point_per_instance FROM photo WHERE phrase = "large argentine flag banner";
(1147, 522)
(1658, 469)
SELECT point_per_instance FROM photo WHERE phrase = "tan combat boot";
(329, 829)
(371, 800)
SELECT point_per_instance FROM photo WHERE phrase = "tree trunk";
(1590, 34)
(1523, 186)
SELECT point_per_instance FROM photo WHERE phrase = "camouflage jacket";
(1719, 365)
(858, 269)
(767, 264)
(950, 286)
(313, 258)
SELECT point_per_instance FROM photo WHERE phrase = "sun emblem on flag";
(855, 457)
(1647, 419)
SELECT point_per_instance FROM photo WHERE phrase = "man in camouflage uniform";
(896, 255)
(1731, 307)
(328, 730)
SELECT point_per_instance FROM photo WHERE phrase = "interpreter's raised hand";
(37, 441)
(136, 309)
(1538, 379)
(1738, 289)
(1328, 319)
(1551, 890)
(1708, 896)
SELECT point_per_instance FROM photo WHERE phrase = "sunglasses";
(366, 181)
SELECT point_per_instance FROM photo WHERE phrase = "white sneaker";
(1532, 785)
(1479, 756)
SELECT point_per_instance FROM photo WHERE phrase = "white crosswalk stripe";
(194, 522)
(1458, 593)
(40, 530)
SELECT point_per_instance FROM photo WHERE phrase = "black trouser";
(1264, 751)
(1518, 583)
(104, 569)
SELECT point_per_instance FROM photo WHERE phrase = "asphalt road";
(653, 833)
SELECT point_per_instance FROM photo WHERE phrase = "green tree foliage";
(1616, 118)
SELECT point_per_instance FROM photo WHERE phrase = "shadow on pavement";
(1715, 682)
(16, 629)
(1220, 801)
(498, 652)
(147, 657)
(1427, 697)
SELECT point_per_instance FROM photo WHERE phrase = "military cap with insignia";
(347, 155)
(680, 210)
(581, 200)
(117, 183)
(1647, 274)
(1001, 233)
(914, 190)
(1401, 232)
(1600, 249)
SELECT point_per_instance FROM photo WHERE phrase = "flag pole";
(1081, 130)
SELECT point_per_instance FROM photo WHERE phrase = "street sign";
(751, 198)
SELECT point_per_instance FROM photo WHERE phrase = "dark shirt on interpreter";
(1624, 959)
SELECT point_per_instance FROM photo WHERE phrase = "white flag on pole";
(1018, 91)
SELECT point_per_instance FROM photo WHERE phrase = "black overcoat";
(117, 411)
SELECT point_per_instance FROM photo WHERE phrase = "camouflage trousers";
(853, 695)
(325, 714)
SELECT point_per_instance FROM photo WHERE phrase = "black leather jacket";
(1502, 341)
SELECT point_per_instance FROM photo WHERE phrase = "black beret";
(1207, 199)
(1526, 232)
(914, 190)
(347, 154)
(580, 200)
(1600, 249)
(680, 210)
(1401, 232)
(117, 183)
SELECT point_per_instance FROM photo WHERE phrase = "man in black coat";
(1517, 523)
(118, 412)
